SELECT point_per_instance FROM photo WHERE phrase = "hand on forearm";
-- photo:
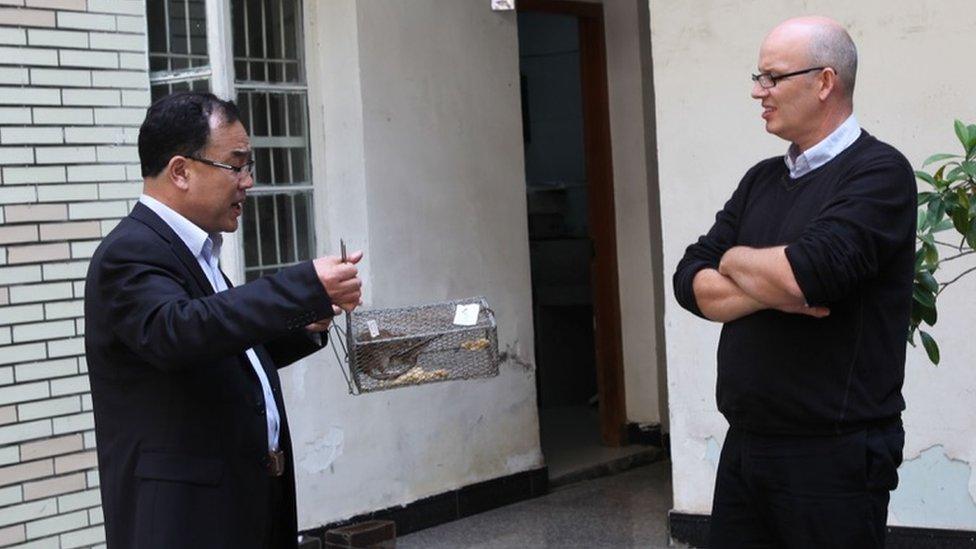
(765, 274)
(720, 299)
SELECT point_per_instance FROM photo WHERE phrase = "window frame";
(223, 83)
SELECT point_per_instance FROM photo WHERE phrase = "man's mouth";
(767, 111)
(238, 207)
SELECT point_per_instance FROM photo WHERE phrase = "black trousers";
(276, 506)
(799, 492)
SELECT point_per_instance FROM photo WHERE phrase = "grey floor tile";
(621, 511)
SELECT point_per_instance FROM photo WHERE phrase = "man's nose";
(758, 92)
(247, 181)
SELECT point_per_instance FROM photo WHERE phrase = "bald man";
(809, 267)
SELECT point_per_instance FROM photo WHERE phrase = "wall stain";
(933, 490)
(510, 355)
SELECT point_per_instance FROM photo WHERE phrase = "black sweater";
(849, 228)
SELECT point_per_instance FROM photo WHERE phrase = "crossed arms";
(869, 218)
(750, 280)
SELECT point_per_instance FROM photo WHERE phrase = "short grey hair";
(831, 46)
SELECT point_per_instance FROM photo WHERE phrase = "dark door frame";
(599, 175)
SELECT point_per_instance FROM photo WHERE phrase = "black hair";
(179, 124)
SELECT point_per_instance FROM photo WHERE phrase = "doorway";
(572, 239)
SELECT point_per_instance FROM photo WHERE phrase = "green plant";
(951, 206)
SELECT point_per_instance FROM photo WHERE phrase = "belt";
(275, 463)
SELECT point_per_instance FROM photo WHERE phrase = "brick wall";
(73, 90)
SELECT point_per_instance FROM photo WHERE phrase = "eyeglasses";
(767, 80)
(239, 171)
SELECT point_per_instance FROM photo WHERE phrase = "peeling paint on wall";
(320, 454)
(712, 452)
(933, 491)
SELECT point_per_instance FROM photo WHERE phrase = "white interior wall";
(634, 263)
(634, 247)
(417, 108)
(912, 83)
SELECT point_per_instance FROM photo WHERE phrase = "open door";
(569, 178)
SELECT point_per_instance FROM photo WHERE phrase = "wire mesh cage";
(390, 348)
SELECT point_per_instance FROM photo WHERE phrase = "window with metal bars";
(271, 92)
(178, 58)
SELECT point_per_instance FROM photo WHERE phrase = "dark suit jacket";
(179, 412)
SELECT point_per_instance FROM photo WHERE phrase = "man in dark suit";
(192, 437)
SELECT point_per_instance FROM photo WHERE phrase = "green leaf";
(925, 197)
(936, 213)
(943, 225)
(962, 132)
(930, 316)
(923, 296)
(937, 157)
(916, 316)
(922, 219)
(971, 234)
(960, 220)
(955, 174)
(931, 254)
(924, 176)
(963, 198)
(927, 281)
(969, 167)
(931, 347)
(911, 335)
(919, 259)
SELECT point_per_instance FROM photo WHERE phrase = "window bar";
(264, 42)
(247, 41)
(267, 116)
(299, 44)
(189, 43)
(257, 229)
(169, 48)
(284, 51)
(288, 157)
(265, 190)
(250, 123)
(294, 227)
(277, 226)
(250, 120)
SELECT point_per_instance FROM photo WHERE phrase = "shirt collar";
(196, 239)
(824, 151)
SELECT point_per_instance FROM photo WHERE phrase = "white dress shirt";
(824, 151)
(206, 249)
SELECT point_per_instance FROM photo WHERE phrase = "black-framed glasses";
(767, 80)
(241, 171)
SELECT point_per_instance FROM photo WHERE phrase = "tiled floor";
(571, 444)
(619, 511)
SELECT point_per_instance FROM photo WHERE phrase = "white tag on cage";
(467, 315)
(374, 329)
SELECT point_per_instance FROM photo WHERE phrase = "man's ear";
(178, 169)
(828, 83)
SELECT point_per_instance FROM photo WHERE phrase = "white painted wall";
(634, 247)
(709, 133)
(417, 106)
